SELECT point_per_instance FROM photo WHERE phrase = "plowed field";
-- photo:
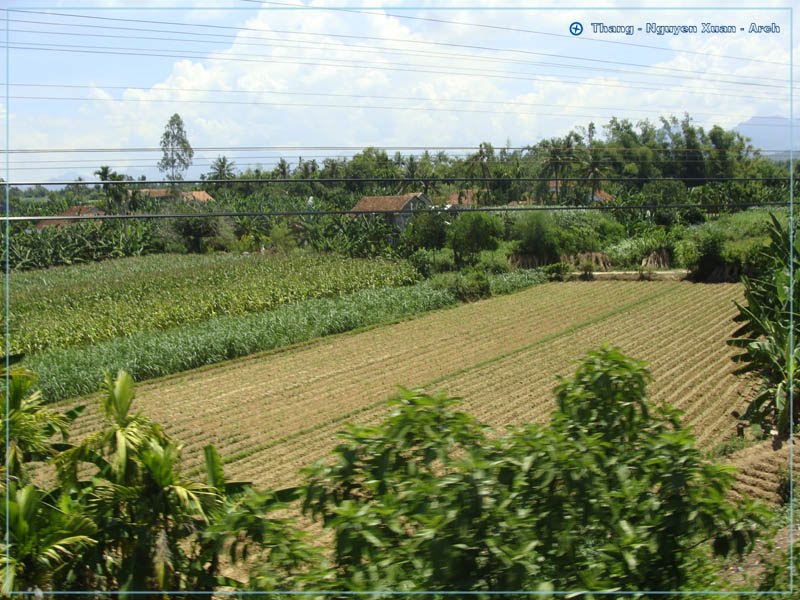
(273, 413)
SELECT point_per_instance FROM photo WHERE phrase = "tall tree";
(177, 151)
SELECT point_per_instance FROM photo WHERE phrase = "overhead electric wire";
(294, 105)
(361, 37)
(398, 180)
(299, 213)
(365, 96)
(475, 73)
(425, 54)
(506, 28)
(429, 149)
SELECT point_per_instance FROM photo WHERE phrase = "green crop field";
(79, 305)
(272, 413)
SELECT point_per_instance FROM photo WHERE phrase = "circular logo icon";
(576, 28)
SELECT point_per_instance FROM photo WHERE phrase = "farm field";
(271, 414)
(78, 305)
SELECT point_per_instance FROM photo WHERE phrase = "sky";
(94, 83)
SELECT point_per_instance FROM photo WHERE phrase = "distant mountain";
(771, 135)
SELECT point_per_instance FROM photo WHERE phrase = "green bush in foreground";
(611, 495)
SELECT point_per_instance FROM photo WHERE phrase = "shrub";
(709, 245)
(630, 252)
(466, 287)
(422, 261)
(686, 254)
(538, 238)
(514, 281)
(557, 271)
(494, 263)
(611, 495)
(471, 233)
(428, 262)
(427, 230)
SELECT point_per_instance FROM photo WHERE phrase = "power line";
(512, 29)
(424, 54)
(319, 105)
(376, 147)
(404, 68)
(300, 213)
(398, 180)
(344, 36)
(339, 95)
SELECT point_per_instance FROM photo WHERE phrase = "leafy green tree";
(612, 495)
(765, 335)
(177, 152)
(145, 510)
(537, 237)
(472, 232)
(427, 230)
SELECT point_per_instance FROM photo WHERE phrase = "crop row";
(252, 403)
(71, 306)
(272, 414)
(518, 388)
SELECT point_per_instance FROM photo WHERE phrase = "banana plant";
(768, 332)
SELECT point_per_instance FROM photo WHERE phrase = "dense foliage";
(620, 165)
(612, 495)
(768, 332)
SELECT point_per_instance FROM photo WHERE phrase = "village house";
(397, 209)
(72, 211)
(193, 196)
(463, 198)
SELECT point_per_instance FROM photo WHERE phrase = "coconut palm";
(222, 168)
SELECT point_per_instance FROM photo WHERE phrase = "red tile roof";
(464, 198)
(603, 196)
(196, 195)
(81, 210)
(378, 203)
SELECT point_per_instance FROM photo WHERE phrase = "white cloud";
(139, 120)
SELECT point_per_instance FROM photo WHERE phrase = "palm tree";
(145, 510)
(44, 539)
(222, 168)
(553, 161)
(594, 166)
(29, 426)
